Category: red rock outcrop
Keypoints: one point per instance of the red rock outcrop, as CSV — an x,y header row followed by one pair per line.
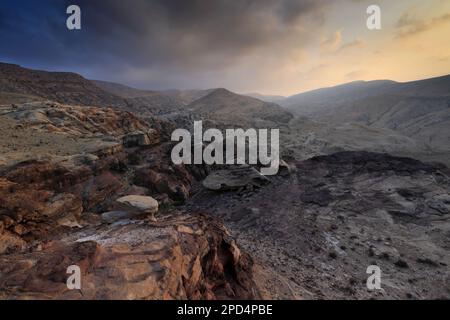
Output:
x,y
178,257
51,214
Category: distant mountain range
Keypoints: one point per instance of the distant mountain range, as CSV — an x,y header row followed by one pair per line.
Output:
x,y
267,98
321,99
418,109
18,84
219,105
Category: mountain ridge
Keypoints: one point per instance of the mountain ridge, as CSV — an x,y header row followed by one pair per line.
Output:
x,y
389,87
62,87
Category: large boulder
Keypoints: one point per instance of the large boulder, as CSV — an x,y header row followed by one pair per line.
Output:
x,y
175,182
140,139
139,204
235,178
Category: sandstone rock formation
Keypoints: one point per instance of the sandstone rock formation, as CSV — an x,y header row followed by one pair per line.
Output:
x,y
48,130
180,257
38,198
83,207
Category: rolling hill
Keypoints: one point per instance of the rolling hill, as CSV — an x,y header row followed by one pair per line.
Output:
x,y
22,84
418,110
233,109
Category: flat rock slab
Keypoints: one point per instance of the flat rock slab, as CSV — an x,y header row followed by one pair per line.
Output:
x,y
234,178
113,216
144,204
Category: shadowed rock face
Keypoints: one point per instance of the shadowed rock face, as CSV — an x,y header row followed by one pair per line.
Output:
x,y
138,139
321,227
46,226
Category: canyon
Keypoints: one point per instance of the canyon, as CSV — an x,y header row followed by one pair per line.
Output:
x,y
87,179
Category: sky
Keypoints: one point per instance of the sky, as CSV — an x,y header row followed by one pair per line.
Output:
x,y
279,47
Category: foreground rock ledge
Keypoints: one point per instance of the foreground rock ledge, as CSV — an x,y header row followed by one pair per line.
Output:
x,y
179,257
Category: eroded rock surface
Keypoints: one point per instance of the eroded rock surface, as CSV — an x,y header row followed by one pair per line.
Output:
x,y
91,206
179,257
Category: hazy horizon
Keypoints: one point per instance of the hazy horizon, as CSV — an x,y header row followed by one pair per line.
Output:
x,y
241,93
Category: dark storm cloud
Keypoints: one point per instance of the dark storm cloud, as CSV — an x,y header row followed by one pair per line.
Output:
x,y
188,32
161,36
